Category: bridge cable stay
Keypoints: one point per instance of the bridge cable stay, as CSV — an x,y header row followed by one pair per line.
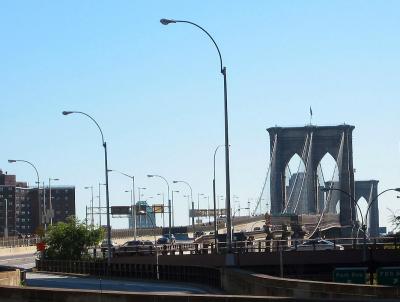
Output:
x,y
272,158
305,172
327,202
297,174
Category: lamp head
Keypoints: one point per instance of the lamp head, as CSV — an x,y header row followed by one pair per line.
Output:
x,y
167,21
67,112
87,187
11,160
55,179
175,181
150,175
397,189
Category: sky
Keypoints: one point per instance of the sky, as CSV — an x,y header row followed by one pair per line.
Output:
x,y
157,91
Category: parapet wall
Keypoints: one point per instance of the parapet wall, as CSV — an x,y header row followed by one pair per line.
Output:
x,y
10,278
236,281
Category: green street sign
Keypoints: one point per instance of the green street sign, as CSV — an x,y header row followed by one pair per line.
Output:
x,y
388,276
356,275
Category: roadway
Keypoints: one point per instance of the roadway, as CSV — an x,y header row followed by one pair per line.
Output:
x,y
27,262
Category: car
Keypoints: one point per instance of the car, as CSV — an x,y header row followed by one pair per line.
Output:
x,y
128,248
198,234
146,248
165,239
257,229
104,245
317,245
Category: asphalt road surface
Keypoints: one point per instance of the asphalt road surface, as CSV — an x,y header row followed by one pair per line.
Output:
x,y
23,261
74,282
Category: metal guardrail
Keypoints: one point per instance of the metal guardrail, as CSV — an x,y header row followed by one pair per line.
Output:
x,y
264,246
18,242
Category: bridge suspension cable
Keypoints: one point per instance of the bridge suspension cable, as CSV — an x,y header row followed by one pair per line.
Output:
x,y
272,158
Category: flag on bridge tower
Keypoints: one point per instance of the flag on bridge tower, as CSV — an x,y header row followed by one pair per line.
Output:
x,y
310,115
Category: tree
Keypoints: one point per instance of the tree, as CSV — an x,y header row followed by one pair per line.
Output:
x,y
70,240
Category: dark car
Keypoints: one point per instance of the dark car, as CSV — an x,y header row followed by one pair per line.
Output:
x,y
198,234
165,239
147,248
128,248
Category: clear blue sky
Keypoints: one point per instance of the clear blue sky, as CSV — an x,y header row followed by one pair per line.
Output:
x,y
157,92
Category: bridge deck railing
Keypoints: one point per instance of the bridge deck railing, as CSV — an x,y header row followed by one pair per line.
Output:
x,y
261,246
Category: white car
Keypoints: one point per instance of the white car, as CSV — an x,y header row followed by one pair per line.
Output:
x,y
317,245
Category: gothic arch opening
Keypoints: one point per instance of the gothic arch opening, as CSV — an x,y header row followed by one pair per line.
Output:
x,y
295,189
328,176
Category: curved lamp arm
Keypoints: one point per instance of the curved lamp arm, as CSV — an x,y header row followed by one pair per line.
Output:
x,y
98,126
168,21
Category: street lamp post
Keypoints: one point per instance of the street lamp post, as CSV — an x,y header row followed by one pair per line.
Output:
x,y
172,204
91,206
214,201
139,200
363,226
100,184
163,203
155,240
191,199
133,202
198,205
50,202
375,198
227,174
106,175
38,183
169,201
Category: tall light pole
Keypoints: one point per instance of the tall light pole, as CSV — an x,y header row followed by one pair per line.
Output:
x,y
198,205
191,198
139,199
214,200
91,206
163,221
227,175
50,202
363,226
38,184
169,201
172,204
375,198
208,207
133,202
155,240
107,187
100,184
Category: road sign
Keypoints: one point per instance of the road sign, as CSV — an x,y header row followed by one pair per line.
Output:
x,y
120,210
388,276
158,208
356,275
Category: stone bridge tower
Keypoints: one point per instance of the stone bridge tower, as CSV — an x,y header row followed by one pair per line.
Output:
x,y
325,139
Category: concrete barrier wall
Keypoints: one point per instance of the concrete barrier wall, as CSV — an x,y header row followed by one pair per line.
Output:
x,y
11,278
32,294
235,281
17,250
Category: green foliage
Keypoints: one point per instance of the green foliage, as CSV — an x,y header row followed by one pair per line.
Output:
x,y
70,240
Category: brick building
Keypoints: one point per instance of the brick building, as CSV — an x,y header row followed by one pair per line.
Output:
x,y
25,206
